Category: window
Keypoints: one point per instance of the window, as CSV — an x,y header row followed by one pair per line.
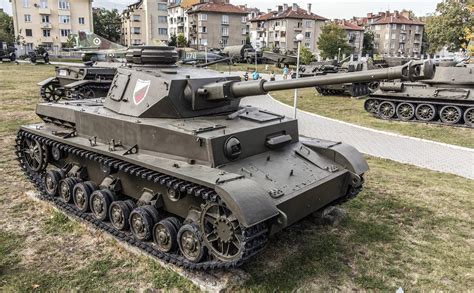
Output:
x,y
225,19
26,3
377,27
27,18
244,19
162,19
393,37
307,45
202,29
163,31
45,18
65,33
394,26
46,33
202,16
28,32
136,17
403,27
244,31
136,30
307,35
392,45
64,19
223,42
162,7
225,31
387,36
308,23
44,3
82,20
203,42
64,4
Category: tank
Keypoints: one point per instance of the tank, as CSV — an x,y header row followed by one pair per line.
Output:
x,y
446,99
172,164
39,53
7,53
77,82
352,89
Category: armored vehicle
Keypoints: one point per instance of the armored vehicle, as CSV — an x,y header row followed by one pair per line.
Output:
x,y
447,99
39,53
172,164
77,82
352,89
7,53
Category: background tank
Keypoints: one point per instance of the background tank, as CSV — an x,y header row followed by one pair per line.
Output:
x,y
172,164
39,53
448,98
352,89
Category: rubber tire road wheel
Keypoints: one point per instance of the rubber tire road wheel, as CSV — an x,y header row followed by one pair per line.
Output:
x,y
66,188
86,189
191,230
51,182
456,118
141,224
101,199
469,117
153,212
428,118
125,211
403,116
167,227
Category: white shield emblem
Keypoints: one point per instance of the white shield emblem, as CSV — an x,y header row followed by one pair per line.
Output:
x,y
140,91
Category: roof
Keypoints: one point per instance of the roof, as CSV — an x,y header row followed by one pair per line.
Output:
x,y
398,19
299,13
350,26
217,7
188,3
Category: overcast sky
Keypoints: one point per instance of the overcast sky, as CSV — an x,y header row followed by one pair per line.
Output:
x,y
327,8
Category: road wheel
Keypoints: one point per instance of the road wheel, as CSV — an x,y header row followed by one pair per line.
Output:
x,y
100,201
165,234
190,243
425,112
469,117
450,114
405,111
372,106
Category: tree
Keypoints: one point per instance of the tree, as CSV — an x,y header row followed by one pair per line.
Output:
x,y
449,26
173,41
107,24
305,55
425,43
368,43
181,41
7,33
247,40
331,39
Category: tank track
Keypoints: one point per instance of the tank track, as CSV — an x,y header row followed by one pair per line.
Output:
x,y
73,94
255,237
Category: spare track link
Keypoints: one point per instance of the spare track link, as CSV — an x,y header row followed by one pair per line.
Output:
x,y
255,237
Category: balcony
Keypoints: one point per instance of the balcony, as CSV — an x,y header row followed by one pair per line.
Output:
x,y
180,23
46,25
64,12
298,29
225,23
402,40
45,11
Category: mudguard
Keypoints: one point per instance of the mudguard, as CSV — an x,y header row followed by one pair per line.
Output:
x,y
247,200
341,153
46,81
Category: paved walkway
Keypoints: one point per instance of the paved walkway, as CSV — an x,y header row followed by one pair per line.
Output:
x,y
423,153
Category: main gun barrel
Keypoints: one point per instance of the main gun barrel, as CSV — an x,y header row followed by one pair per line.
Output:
x,y
413,70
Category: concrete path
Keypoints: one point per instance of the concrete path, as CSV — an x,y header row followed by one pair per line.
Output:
x,y
423,153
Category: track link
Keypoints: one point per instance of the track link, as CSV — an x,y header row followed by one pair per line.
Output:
x,y
254,240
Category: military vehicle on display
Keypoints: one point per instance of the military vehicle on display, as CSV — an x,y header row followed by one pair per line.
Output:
x,y
7,53
172,164
37,54
448,98
243,53
77,82
352,89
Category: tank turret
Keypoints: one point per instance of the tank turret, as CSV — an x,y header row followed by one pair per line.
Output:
x,y
170,163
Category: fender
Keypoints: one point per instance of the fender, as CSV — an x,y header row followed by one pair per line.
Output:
x,y
341,153
248,201
46,81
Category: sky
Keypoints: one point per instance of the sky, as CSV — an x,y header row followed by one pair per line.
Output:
x,y
327,8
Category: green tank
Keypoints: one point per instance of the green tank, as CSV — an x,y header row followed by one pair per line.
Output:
x,y
172,164
446,99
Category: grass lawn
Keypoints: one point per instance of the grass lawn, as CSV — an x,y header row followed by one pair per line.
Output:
x,y
352,110
409,228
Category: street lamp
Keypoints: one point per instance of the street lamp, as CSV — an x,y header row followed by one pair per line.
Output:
x,y
299,39
338,54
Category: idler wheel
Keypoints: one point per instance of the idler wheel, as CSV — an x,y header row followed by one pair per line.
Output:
x,y
82,193
100,201
190,243
141,223
35,154
469,117
51,182
66,188
386,110
371,106
450,114
119,213
51,92
405,111
165,234
425,112
222,233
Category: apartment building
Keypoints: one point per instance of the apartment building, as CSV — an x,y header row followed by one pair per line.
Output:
x,y
145,23
178,18
49,22
396,34
279,28
355,35
216,25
